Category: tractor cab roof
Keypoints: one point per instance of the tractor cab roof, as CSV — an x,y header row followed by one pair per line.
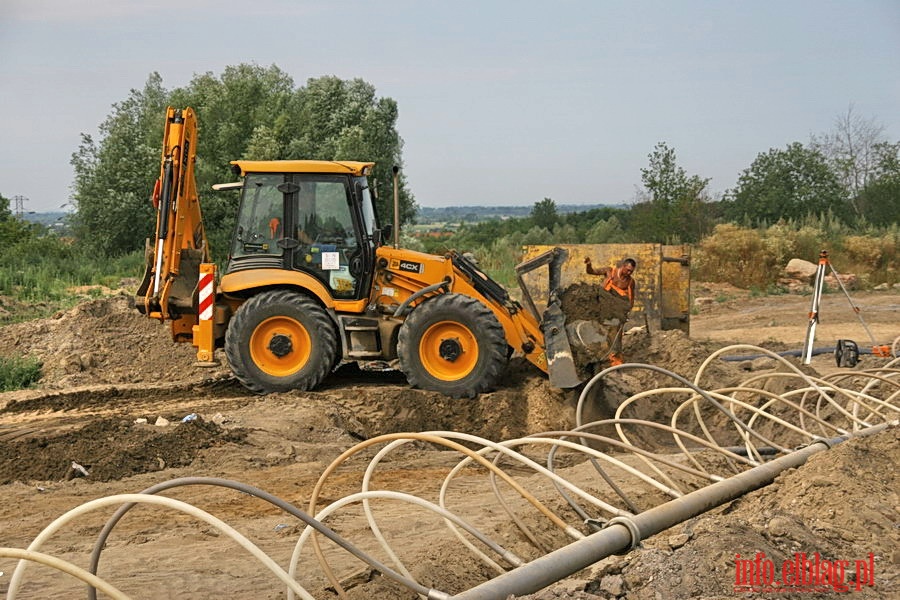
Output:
x,y
349,167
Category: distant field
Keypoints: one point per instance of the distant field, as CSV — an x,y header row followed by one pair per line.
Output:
x,y
473,214
452,216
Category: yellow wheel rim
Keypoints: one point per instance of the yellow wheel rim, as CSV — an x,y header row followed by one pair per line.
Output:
x,y
448,351
280,346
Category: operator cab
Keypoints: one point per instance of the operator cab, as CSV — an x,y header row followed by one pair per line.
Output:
x,y
311,216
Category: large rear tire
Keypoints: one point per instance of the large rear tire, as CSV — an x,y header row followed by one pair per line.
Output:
x,y
452,344
280,341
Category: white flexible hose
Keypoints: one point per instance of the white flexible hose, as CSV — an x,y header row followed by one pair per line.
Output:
x,y
436,439
184,507
383,494
66,567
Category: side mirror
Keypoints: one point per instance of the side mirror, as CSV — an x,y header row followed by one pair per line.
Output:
x,y
384,235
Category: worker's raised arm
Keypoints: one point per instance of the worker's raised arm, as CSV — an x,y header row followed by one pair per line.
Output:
x,y
590,270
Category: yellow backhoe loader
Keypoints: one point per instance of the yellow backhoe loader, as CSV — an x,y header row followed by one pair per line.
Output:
x,y
312,281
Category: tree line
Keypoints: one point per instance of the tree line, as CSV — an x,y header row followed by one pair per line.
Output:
x,y
850,176
839,191
843,181
250,112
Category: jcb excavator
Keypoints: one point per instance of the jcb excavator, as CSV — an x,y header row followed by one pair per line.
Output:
x,y
312,281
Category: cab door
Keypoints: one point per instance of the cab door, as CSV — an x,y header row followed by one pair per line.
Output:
x,y
321,218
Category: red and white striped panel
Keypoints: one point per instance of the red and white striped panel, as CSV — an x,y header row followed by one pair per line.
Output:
x,y
206,296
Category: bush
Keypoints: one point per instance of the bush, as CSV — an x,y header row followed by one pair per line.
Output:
x,y
755,258
736,255
809,240
874,256
607,231
781,241
18,372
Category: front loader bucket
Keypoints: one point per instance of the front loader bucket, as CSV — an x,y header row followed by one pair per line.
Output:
x,y
560,361
575,348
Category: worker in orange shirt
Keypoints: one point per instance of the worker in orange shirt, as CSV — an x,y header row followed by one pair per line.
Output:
x,y
618,288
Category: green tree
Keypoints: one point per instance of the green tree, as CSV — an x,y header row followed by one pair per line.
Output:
x,y
565,234
544,215
113,179
787,184
12,230
236,111
674,206
605,231
607,218
537,236
879,199
248,112
335,119
241,114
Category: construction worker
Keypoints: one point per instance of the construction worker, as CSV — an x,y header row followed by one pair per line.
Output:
x,y
617,294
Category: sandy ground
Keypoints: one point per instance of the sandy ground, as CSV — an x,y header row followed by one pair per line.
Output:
x,y
112,379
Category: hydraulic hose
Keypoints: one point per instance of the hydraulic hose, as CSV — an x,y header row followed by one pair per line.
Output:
x,y
444,284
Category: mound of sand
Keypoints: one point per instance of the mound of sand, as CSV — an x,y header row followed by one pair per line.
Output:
x,y
102,341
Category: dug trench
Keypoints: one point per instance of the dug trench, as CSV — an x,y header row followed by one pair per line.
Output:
x,y
122,402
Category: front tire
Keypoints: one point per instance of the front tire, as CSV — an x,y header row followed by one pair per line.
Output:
x,y
452,344
280,341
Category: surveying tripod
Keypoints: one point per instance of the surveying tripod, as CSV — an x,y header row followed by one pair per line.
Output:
x,y
845,351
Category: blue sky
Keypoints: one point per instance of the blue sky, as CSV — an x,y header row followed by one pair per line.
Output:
x,y
501,102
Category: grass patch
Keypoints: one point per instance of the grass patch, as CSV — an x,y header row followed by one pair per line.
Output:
x,y
38,275
18,372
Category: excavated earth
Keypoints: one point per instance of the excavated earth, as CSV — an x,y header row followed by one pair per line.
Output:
x,y
120,408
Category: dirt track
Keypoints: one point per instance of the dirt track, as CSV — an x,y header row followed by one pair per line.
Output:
x,y
106,368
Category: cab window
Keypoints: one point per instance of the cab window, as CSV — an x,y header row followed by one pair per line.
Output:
x,y
260,218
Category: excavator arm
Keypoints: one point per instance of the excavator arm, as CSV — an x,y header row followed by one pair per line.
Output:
x,y
169,289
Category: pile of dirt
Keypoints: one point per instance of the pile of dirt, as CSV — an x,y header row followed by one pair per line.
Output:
x,y
104,360
110,449
102,341
591,302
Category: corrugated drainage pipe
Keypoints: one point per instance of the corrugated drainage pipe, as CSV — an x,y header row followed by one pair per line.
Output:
x,y
624,533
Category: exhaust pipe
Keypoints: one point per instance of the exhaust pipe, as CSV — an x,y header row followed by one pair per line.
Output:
x,y
396,171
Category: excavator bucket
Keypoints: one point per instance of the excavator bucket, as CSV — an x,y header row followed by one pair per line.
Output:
x,y
568,346
560,361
